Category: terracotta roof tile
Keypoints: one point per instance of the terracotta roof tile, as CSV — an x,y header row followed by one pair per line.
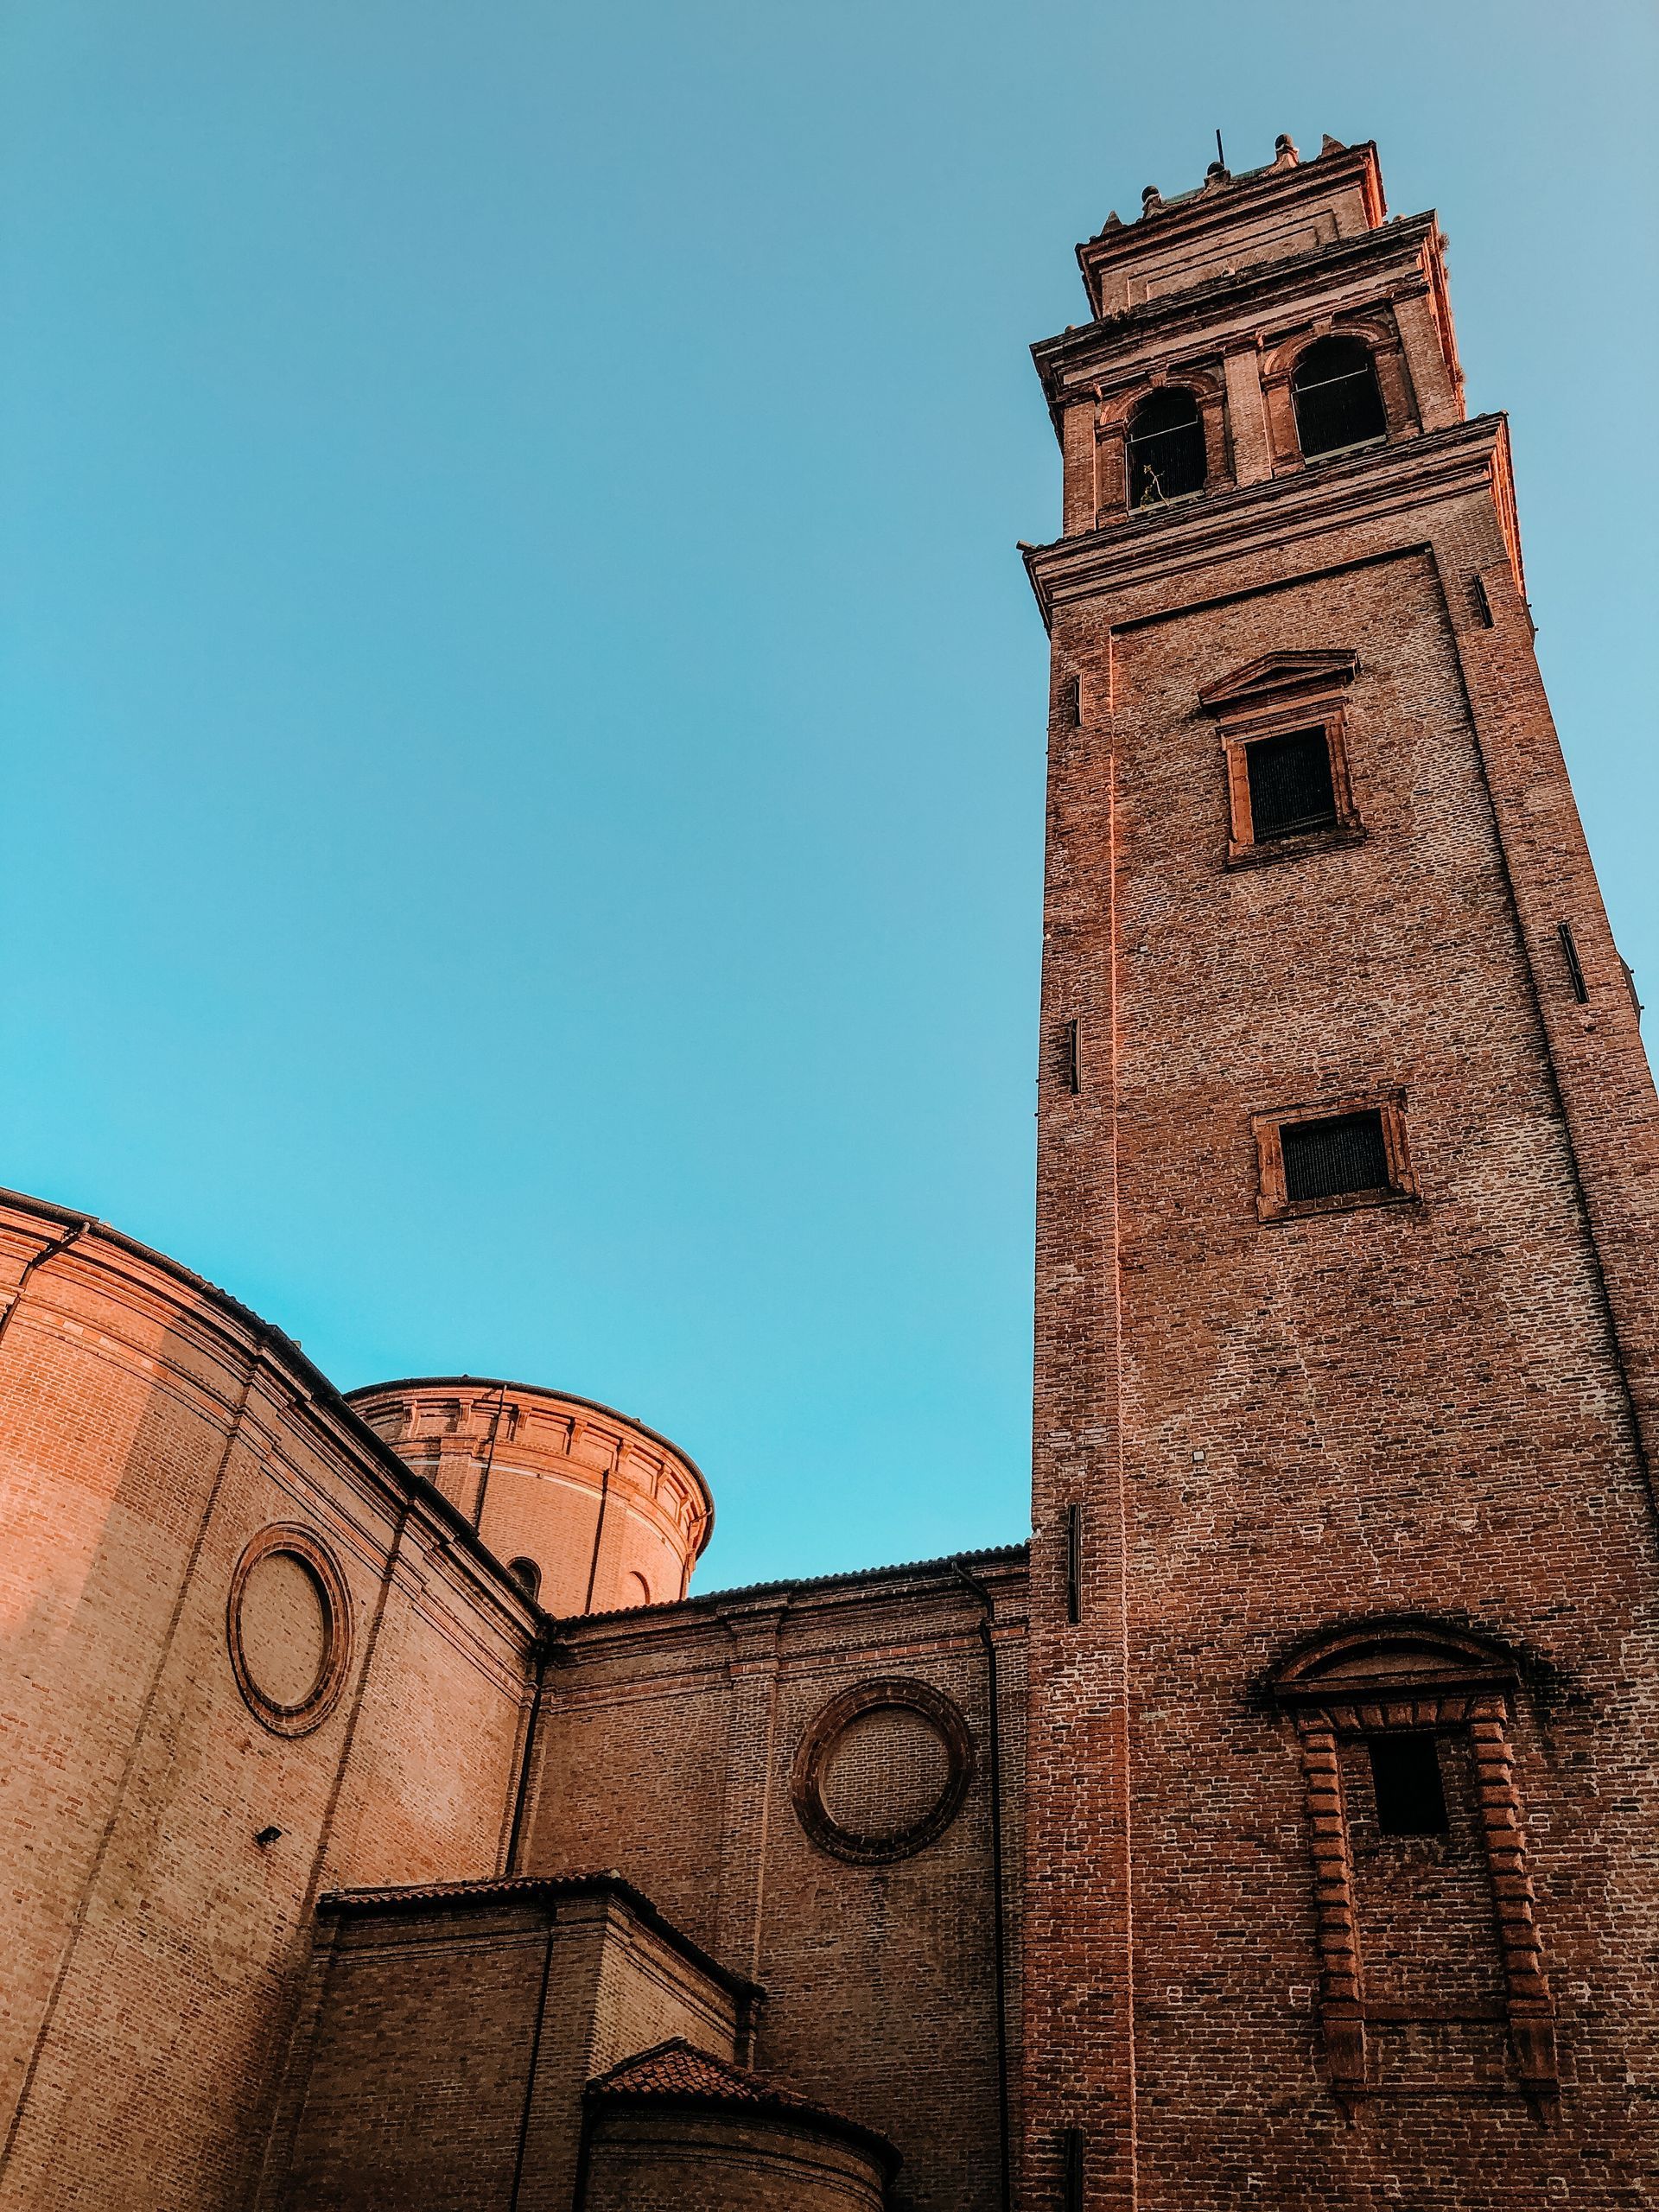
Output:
x,y
676,2070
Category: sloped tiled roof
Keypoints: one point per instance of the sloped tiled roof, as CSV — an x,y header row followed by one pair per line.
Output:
x,y
849,1577
510,1889
676,2072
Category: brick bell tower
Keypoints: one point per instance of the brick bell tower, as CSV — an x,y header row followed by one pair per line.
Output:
x,y
1342,1878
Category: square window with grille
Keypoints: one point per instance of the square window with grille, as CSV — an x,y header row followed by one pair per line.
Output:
x,y
1291,785
1355,1153
1326,1159
1406,1783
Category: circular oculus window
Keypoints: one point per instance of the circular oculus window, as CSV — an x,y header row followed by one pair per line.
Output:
x,y
287,1624
881,1772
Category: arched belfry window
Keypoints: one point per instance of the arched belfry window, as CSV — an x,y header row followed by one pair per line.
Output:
x,y
1167,456
1338,400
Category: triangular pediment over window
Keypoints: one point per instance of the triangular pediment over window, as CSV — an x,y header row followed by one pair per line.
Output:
x,y
1279,676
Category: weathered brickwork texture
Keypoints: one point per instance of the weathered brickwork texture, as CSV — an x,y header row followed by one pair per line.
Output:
x,y
1433,1410
608,1514
149,1429
382,1823
258,1657
449,2039
673,2129
648,2160
668,1748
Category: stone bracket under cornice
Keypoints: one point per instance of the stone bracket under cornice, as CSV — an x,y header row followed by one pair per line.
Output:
x,y
1255,519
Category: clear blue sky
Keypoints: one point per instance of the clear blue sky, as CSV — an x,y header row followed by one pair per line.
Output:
x,y
524,723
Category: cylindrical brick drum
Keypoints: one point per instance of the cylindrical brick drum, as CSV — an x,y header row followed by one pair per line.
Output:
x,y
593,1511
658,2156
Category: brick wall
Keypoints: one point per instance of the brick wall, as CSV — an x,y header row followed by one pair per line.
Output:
x,y
669,1748
648,2159
441,2057
609,1514
1430,1410
197,1526
148,1431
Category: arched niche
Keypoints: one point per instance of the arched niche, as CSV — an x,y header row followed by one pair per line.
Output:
x,y
1360,1697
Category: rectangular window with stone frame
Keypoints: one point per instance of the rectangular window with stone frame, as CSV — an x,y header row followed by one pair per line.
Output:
x,y
1333,1156
1283,724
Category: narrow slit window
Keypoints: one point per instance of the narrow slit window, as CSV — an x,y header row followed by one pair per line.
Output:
x,y
1329,1158
1574,968
1291,785
1071,2162
1406,1783
1166,455
1337,401
1072,1055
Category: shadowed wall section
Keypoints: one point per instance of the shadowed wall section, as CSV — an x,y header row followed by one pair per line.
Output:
x,y
822,1782
243,1658
450,2031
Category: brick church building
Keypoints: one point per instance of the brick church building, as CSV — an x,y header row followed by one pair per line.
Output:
x,y
388,1824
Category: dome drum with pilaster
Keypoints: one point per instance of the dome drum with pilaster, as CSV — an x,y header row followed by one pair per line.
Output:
x,y
590,1512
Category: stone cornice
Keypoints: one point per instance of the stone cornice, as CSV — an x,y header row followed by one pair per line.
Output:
x,y
1216,206
538,1392
492,1392
1256,519
221,1324
1081,356
547,1891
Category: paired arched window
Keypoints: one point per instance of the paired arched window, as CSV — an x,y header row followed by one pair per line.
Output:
x,y
1167,456
528,1576
1337,401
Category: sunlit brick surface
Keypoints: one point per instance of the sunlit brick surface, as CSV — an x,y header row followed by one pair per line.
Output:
x,y
1434,1408
149,1429
610,1515
1319,1472
283,1629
